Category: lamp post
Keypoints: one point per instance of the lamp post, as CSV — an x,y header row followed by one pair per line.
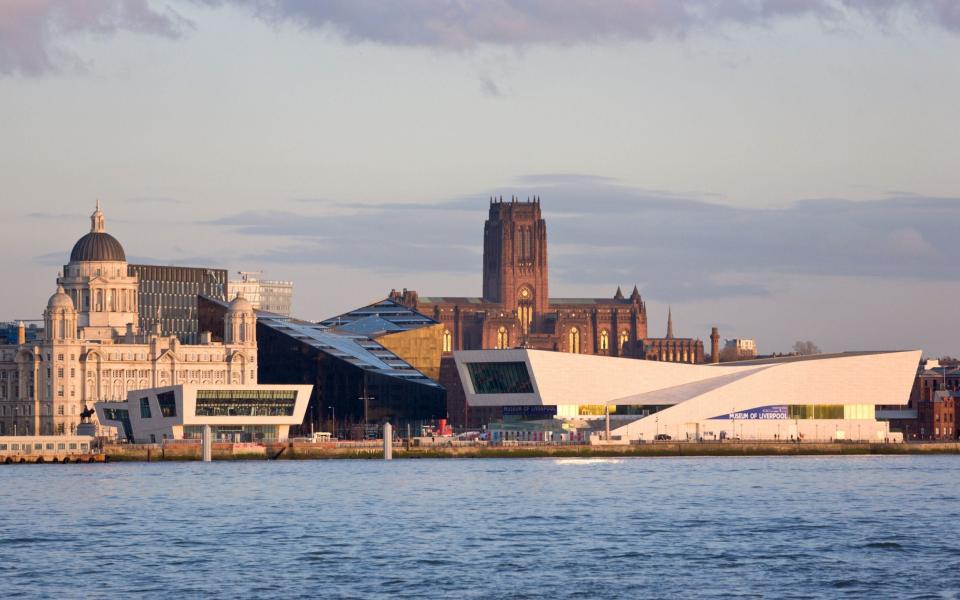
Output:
x,y
333,412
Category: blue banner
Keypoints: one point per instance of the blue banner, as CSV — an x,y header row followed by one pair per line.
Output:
x,y
761,413
529,411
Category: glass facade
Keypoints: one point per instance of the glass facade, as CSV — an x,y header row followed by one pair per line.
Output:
x,y
245,403
832,411
144,408
500,378
168,404
123,416
233,433
168,295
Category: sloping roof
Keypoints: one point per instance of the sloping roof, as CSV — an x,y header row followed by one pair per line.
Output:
x,y
385,315
355,348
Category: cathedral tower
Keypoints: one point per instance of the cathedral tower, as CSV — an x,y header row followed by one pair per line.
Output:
x,y
515,259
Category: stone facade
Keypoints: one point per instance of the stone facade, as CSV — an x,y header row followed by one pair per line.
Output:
x,y
517,311
92,348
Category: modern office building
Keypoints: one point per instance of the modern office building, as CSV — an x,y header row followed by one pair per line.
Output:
x,y
239,413
356,379
168,296
19,333
818,397
269,296
93,347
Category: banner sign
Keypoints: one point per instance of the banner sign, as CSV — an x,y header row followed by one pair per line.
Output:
x,y
529,411
761,413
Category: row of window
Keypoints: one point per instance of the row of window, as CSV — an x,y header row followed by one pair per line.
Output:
x,y
573,338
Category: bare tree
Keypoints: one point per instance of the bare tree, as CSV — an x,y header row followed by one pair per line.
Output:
x,y
806,348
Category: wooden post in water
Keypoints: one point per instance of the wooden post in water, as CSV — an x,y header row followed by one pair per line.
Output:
x,y
207,444
387,441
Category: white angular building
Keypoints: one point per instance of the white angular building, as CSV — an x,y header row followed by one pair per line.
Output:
x,y
820,397
93,348
240,413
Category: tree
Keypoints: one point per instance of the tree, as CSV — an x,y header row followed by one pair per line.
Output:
x,y
806,348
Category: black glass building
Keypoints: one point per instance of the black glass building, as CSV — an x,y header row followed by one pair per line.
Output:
x,y
168,295
356,380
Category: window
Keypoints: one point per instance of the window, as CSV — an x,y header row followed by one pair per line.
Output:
x,y
573,341
447,341
145,408
604,340
500,378
60,372
168,404
60,410
624,338
502,338
245,403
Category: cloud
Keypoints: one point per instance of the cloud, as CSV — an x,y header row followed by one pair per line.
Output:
x,y
677,246
454,25
32,31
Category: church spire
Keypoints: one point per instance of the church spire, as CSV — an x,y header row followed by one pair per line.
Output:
x,y
97,224
619,294
670,323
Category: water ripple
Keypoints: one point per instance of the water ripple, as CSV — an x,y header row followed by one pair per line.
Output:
x,y
784,527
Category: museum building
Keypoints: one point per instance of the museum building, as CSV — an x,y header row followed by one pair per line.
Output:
x,y
817,397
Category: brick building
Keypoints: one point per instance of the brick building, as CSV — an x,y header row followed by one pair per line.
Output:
x,y
932,412
516,309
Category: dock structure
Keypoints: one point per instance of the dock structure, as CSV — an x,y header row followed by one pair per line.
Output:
x,y
49,449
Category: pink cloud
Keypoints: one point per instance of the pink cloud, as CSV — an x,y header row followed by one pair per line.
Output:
x,y
32,31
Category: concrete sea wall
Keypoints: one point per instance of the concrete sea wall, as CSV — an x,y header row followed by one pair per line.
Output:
x,y
307,451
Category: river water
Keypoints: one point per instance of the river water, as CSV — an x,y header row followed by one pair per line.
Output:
x,y
792,527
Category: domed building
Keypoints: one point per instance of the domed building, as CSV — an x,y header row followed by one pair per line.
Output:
x,y
94,349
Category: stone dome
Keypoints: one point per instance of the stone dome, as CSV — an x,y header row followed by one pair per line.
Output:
x,y
97,246
240,304
60,300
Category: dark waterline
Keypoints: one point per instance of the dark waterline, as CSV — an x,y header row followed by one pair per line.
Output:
x,y
792,527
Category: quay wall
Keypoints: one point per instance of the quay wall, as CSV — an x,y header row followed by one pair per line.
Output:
x,y
320,451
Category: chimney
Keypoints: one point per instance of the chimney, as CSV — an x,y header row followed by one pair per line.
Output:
x,y
21,334
714,346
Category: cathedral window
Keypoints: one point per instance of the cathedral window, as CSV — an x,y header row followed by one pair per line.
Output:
x,y
573,340
604,340
624,338
502,338
447,341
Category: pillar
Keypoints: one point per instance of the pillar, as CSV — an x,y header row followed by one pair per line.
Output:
x,y
387,441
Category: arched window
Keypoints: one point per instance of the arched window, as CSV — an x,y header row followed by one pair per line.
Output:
x,y
604,340
573,340
624,338
502,339
525,307
447,341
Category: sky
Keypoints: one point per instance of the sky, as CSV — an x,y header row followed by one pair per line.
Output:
x,y
781,169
